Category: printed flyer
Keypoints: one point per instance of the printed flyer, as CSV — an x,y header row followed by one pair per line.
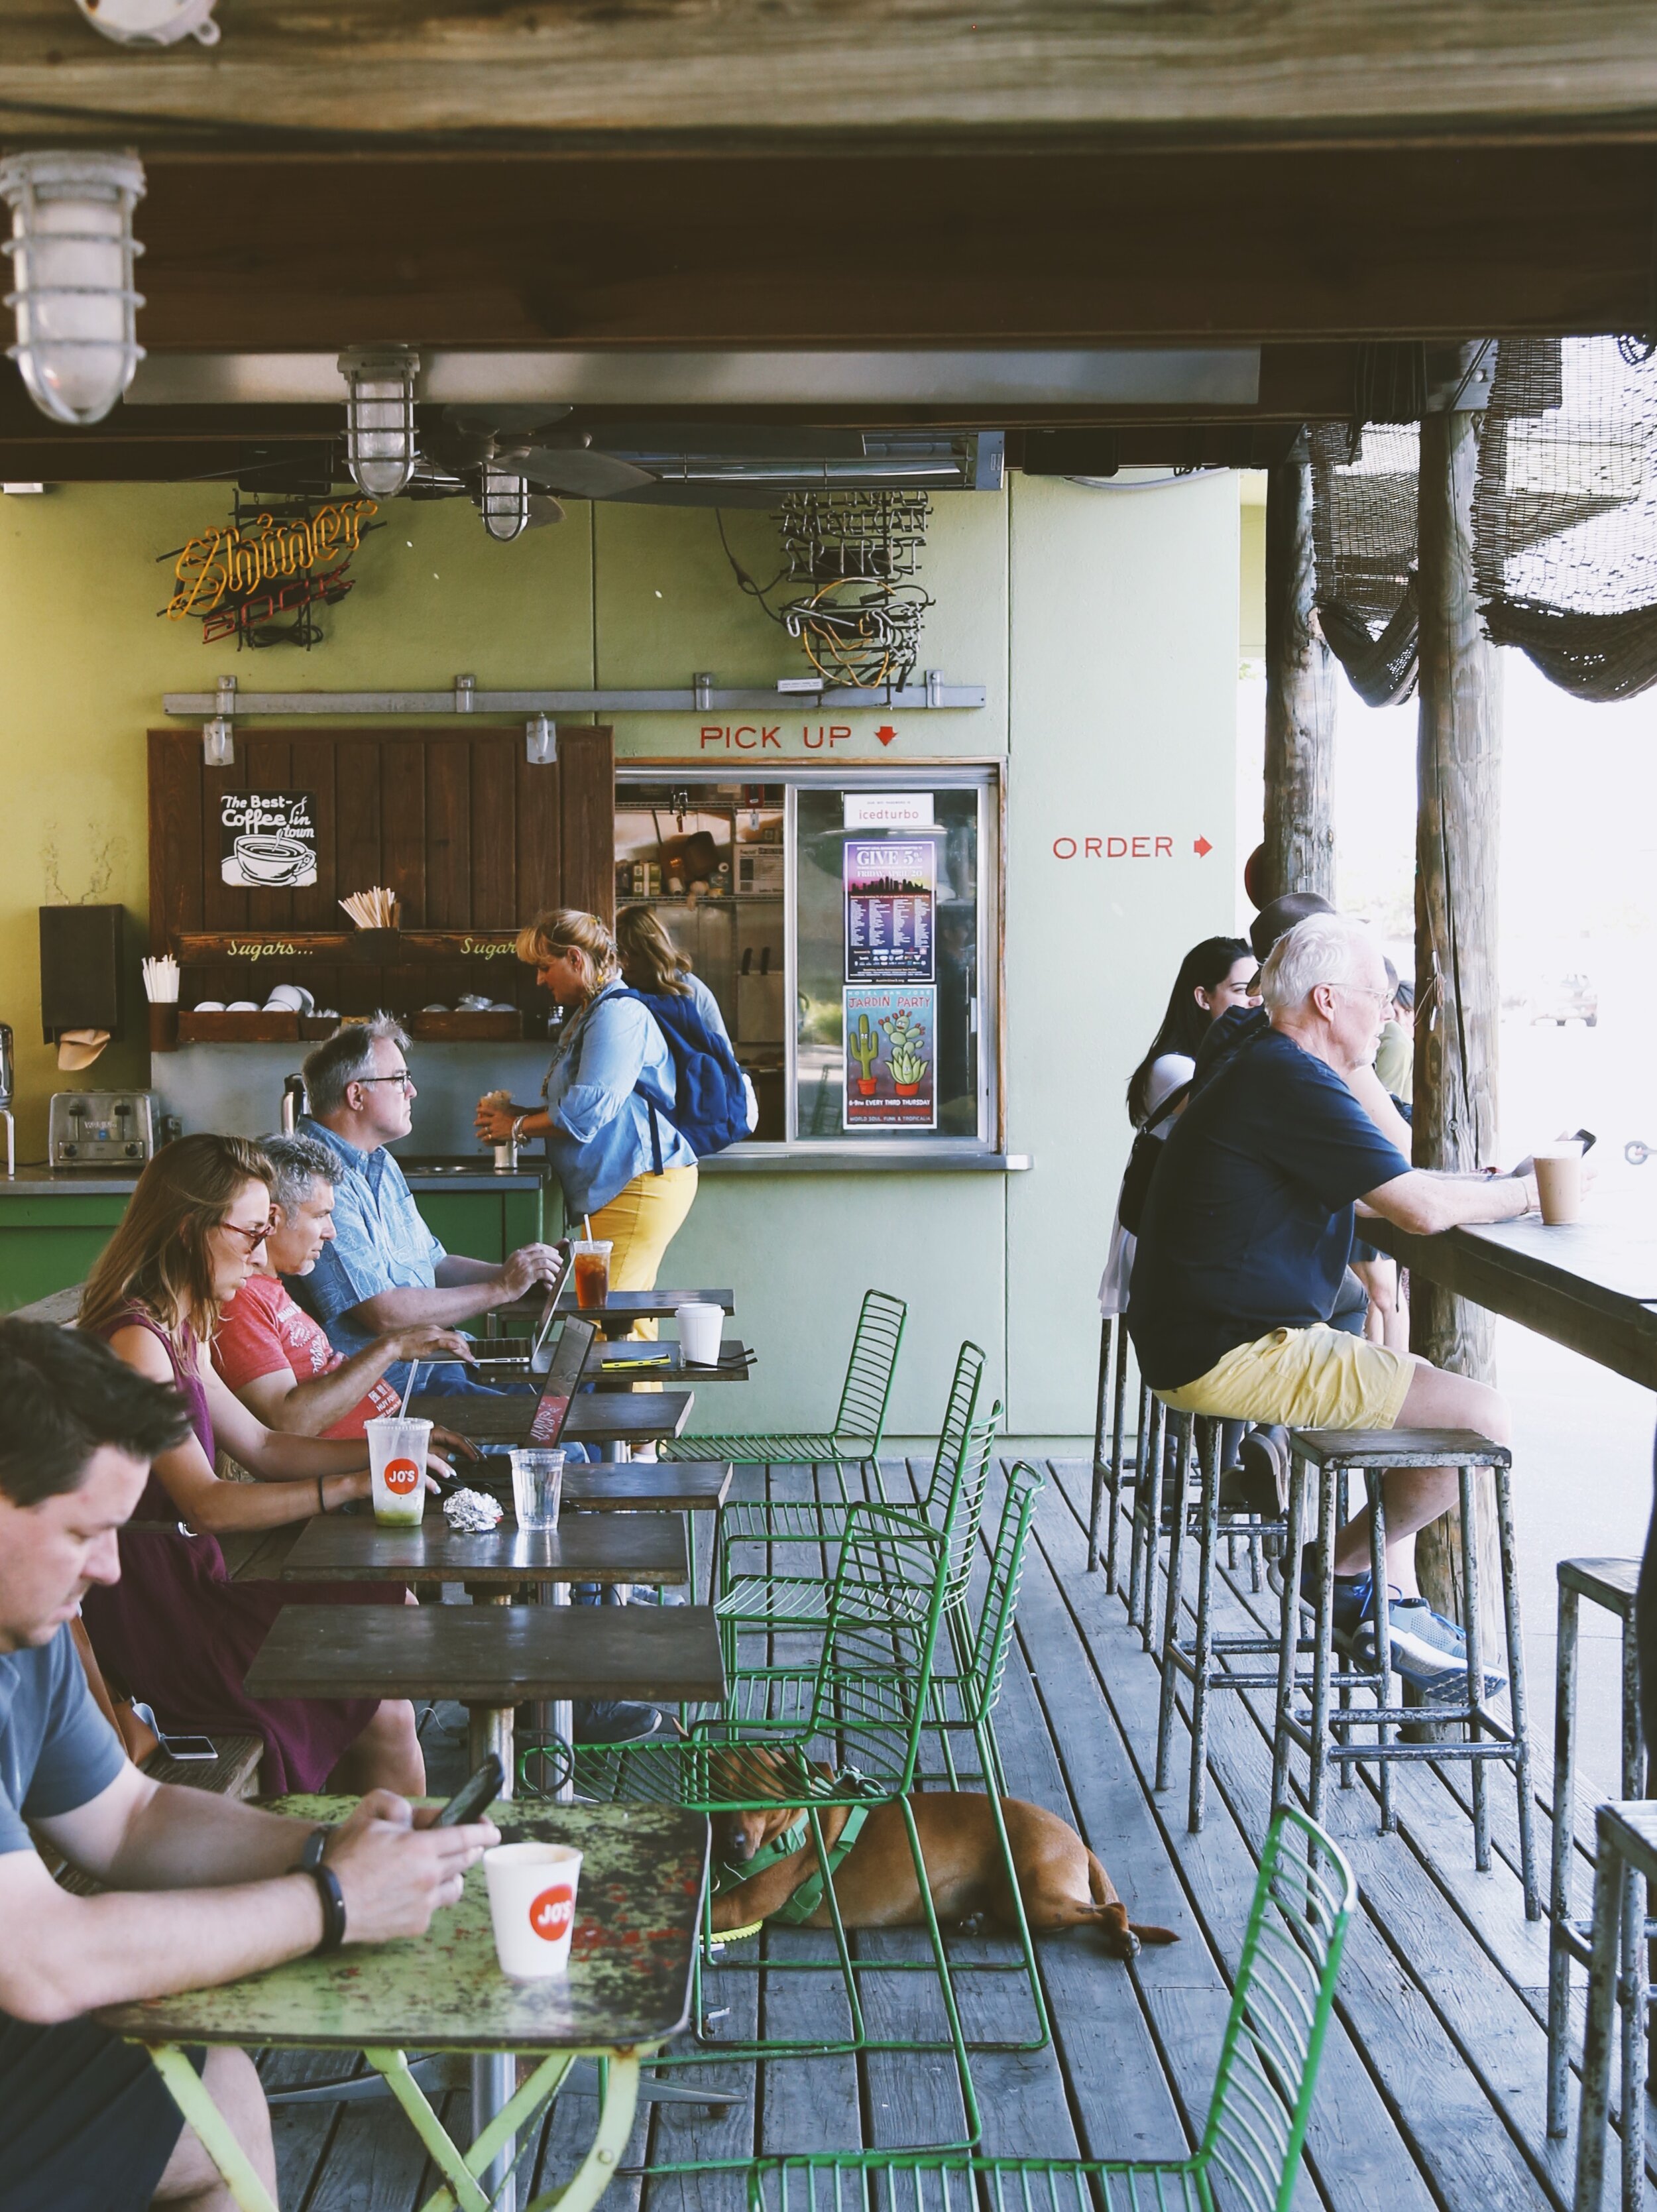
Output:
x,y
891,1058
891,887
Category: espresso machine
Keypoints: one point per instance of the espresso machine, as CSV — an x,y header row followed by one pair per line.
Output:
x,y
5,1101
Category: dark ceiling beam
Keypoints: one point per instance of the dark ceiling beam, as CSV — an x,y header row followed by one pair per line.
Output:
x,y
259,252
712,73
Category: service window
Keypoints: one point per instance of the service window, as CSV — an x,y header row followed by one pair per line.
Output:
x,y
848,927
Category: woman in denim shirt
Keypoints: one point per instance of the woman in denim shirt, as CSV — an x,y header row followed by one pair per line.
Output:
x,y
624,1167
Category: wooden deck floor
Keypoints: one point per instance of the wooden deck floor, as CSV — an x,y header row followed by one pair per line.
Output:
x,y
1432,2087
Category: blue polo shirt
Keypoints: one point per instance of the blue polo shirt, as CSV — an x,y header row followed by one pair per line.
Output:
x,y
380,1242
57,1750
1247,1224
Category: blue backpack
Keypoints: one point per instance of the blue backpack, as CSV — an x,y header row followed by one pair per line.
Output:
x,y
710,1099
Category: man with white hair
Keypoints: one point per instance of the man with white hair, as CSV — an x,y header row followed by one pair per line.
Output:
x,y
1244,1244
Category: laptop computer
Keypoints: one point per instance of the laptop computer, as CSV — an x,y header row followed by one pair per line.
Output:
x,y
516,1352
515,1417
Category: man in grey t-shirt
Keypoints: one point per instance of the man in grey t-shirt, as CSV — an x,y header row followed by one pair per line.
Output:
x,y
197,1889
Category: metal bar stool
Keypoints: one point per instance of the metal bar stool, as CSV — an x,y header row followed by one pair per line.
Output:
x,y
1200,1656
1614,1585
1148,1458
1625,1860
1107,1460
1326,1736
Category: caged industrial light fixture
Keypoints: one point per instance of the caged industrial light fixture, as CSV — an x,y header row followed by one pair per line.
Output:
x,y
381,450
504,502
72,251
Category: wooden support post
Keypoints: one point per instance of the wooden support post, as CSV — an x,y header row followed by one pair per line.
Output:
x,y
1300,699
1459,757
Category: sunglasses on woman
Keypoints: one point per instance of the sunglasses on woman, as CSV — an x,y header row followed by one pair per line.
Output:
x,y
255,1237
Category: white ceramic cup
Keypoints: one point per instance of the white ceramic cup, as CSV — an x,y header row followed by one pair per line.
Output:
x,y
532,1905
209,1006
396,1466
700,1329
286,997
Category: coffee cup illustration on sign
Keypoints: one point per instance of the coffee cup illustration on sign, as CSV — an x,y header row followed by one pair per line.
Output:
x,y
269,861
552,1912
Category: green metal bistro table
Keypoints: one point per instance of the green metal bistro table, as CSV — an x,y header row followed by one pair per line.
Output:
x,y
628,1989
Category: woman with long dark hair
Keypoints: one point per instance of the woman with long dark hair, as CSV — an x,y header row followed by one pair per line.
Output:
x,y
1214,975
175,1629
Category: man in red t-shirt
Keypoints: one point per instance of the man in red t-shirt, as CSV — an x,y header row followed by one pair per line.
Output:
x,y
274,1358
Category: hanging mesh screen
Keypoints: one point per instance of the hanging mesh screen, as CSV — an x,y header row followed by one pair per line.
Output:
x,y
1565,514
1363,532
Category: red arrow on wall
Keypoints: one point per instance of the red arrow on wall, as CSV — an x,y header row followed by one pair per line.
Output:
x,y
886,733
1201,848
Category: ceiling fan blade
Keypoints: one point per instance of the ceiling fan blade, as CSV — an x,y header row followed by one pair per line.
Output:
x,y
581,474
507,418
463,449
544,509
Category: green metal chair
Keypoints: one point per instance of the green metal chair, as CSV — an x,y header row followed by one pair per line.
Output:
x,y
795,1595
850,1739
1249,2155
968,1671
855,1436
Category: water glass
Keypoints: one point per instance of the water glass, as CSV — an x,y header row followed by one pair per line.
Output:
x,y
537,1482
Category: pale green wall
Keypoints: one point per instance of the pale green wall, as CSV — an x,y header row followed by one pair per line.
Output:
x,y
1103,626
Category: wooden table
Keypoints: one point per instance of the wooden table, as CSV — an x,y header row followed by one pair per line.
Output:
x,y
628,1989
596,1417
632,1360
1592,1286
492,1658
620,1309
642,1548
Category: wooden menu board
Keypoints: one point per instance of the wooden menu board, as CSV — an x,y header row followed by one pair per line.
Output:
x,y
471,836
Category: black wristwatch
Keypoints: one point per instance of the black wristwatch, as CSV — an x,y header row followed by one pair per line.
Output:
x,y
315,1844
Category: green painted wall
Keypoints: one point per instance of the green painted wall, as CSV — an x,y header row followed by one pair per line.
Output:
x,y
1103,626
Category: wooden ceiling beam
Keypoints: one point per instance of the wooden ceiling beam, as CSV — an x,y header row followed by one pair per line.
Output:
x,y
272,252
711,73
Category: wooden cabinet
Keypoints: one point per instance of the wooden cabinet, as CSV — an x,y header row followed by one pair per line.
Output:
x,y
474,838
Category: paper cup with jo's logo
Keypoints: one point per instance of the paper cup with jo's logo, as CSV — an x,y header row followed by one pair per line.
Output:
x,y
532,1905
396,1465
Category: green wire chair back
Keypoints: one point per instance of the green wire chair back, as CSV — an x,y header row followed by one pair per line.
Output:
x,y
867,1390
963,1508
1249,2157
959,1413
985,1662
1280,2007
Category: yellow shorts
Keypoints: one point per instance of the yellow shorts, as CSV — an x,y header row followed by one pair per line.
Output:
x,y
1305,1378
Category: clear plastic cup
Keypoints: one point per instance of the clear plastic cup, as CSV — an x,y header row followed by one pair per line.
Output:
x,y
398,1446
532,1906
592,1259
700,1331
538,1484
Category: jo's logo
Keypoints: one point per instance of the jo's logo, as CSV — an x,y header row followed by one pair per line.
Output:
x,y
401,1477
552,1912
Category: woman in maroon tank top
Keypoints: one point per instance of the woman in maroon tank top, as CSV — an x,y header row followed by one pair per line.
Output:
x,y
175,1629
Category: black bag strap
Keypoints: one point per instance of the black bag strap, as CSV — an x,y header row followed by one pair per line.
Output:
x,y
1171,1104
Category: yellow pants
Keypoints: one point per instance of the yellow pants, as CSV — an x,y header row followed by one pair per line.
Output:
x,y
640,1222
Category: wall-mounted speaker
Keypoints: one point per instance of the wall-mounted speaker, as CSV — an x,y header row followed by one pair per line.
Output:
x,y
81,967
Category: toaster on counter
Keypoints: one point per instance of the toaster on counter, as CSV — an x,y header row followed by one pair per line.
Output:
x,y
101,1129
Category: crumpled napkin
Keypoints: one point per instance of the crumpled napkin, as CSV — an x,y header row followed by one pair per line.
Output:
x,y
472,1512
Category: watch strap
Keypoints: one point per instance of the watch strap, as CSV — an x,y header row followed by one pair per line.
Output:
x,y
333,1908
316,1844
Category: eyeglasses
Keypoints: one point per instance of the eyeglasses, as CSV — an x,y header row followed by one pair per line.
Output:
x,y
403,1080
1381,998
255,1237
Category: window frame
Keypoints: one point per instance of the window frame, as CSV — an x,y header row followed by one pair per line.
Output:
x,y
987,777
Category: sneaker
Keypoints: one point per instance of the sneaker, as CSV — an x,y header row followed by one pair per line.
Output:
x,y
606,1721
1259,1484
1353,1596
1428,1652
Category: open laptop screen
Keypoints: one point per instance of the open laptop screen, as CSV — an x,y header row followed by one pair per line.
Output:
x,y
570,1356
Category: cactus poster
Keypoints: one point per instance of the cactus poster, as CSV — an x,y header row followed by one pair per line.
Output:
x,y
890,885
891,1056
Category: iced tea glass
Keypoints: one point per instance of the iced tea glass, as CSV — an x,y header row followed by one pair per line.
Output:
x,y
591,1273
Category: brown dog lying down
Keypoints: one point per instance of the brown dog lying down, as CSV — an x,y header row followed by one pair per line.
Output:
x,y
1063,1885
